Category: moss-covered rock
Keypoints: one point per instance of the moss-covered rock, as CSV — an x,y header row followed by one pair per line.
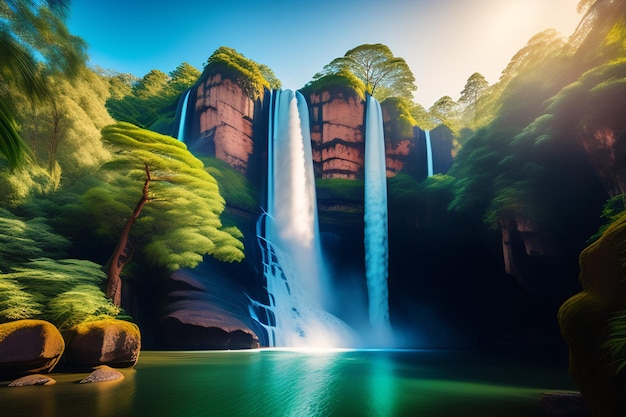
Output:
x,y
109,342
584,321
28,346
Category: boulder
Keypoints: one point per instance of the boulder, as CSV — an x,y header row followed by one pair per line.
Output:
x,y
104,342
36,379
584,321
28,346
102,374
197,324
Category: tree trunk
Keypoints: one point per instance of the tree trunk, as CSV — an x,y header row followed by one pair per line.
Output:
x,y
123,250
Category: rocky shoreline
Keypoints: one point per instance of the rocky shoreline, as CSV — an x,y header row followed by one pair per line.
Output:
x,y
31,348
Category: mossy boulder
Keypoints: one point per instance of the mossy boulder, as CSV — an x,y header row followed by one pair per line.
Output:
x,y
584,321
29,346
111,342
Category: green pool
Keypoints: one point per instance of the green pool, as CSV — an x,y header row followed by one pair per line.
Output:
x,y
290,383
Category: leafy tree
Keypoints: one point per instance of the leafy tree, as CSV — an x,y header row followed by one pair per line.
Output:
x,y
180,222
443,111
183,77
270,77
472,92
383,74
33,38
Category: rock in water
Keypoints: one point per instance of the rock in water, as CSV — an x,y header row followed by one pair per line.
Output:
x,y
28,346
102,374
29,380
103,342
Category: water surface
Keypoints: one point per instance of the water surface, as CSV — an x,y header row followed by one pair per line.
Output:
x,y
287,383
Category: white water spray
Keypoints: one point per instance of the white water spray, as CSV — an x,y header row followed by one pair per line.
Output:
x,y
376,244
289,237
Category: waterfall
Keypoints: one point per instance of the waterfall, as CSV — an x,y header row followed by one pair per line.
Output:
x,y
376,247
429,153
183,117
288,234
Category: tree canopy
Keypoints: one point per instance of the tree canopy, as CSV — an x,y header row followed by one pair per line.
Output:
x,y
181,223
33,40
383,74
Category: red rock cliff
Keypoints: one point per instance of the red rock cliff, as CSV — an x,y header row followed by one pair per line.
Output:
x,y
337,134
222,122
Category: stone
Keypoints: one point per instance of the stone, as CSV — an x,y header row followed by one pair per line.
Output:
x,y
104,342
28,346
197,324
584,319
36,379
563,404
102,373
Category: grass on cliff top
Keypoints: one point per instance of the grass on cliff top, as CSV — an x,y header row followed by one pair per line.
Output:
x,y
343,82
236,67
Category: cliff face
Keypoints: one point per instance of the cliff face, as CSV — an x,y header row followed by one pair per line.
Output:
x,y
222,122
337,134
607,155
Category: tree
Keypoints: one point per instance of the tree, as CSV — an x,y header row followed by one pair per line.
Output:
x,y
443,111
270,77
384,75
32,37
474,88
183,77
180,224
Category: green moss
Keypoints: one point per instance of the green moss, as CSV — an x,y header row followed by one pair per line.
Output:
x,y
401,122
234,66
234,187
344,82
336,189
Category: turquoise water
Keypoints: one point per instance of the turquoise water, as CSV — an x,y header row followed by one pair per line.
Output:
x,y
287,383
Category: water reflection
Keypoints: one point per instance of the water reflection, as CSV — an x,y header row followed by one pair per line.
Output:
x,y
284,383
382,386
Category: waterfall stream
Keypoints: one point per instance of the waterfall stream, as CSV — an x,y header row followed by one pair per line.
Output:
x,y
183,117
429,153
376,244
288,234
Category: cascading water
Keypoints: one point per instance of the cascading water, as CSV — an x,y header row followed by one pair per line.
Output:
x,y
376,244
289,237
429,153
183,117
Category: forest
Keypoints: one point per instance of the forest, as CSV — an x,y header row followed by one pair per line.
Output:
x,y
542,149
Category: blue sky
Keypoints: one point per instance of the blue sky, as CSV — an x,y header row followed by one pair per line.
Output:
x,y
443,41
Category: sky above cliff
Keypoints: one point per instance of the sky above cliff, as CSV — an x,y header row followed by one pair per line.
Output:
x,y
443,41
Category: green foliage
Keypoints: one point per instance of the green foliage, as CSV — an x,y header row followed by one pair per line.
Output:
x,y
614,208
232,65
616,341
383,74
401,119
151,101
33,40
234,187
337,189
444,111
21,240
181,223
343,82
65,292
17,185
